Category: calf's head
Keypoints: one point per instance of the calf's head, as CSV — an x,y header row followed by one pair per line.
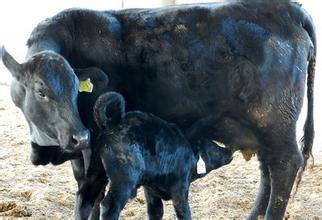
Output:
x,y
45,88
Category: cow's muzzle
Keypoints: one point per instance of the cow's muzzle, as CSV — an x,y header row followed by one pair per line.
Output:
x,y
79,141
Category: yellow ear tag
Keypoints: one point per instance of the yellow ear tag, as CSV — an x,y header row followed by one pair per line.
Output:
x,y
85,86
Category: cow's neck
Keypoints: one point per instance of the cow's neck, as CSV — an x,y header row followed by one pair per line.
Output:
x,y
81,46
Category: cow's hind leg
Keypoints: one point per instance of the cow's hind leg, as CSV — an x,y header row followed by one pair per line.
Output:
x,y
283,160
154,205
262,199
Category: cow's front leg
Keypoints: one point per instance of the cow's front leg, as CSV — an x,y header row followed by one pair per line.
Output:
x,y
91,188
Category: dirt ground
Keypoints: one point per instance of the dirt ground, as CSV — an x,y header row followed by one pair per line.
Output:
x,y
48,191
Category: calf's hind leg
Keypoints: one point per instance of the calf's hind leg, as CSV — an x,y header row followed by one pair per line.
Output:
x,y
180,200
154,205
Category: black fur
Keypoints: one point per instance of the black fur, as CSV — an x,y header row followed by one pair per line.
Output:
x,y
140,149
235,71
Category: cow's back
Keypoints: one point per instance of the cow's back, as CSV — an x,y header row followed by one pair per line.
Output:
x,y
205,58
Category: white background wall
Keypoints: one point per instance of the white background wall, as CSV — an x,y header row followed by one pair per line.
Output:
x,y
146,3
18,18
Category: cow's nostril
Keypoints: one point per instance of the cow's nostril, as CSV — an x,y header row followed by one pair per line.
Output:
x,y
80,140
75,140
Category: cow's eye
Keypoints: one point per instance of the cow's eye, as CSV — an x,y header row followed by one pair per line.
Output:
x,y
42,95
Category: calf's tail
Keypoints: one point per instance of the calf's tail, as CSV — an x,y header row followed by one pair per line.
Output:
x,y
109,109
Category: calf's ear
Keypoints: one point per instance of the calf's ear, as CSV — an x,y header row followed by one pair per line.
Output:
x,y
12,65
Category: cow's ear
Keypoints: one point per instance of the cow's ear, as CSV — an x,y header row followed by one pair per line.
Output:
x,y
94,75
12,65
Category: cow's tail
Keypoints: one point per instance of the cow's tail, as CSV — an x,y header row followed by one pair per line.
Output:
x,y
307,139
109,109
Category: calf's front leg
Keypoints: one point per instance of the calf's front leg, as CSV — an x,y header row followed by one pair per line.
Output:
x,y
115,200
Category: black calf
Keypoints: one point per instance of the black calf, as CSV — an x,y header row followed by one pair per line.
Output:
x,y
140,149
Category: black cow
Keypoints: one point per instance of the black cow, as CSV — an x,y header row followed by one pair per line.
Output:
x,y
140,149
228,72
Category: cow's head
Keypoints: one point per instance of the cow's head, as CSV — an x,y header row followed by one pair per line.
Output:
x,y
45,88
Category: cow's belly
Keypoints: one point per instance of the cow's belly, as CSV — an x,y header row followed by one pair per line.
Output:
x,y
175,101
